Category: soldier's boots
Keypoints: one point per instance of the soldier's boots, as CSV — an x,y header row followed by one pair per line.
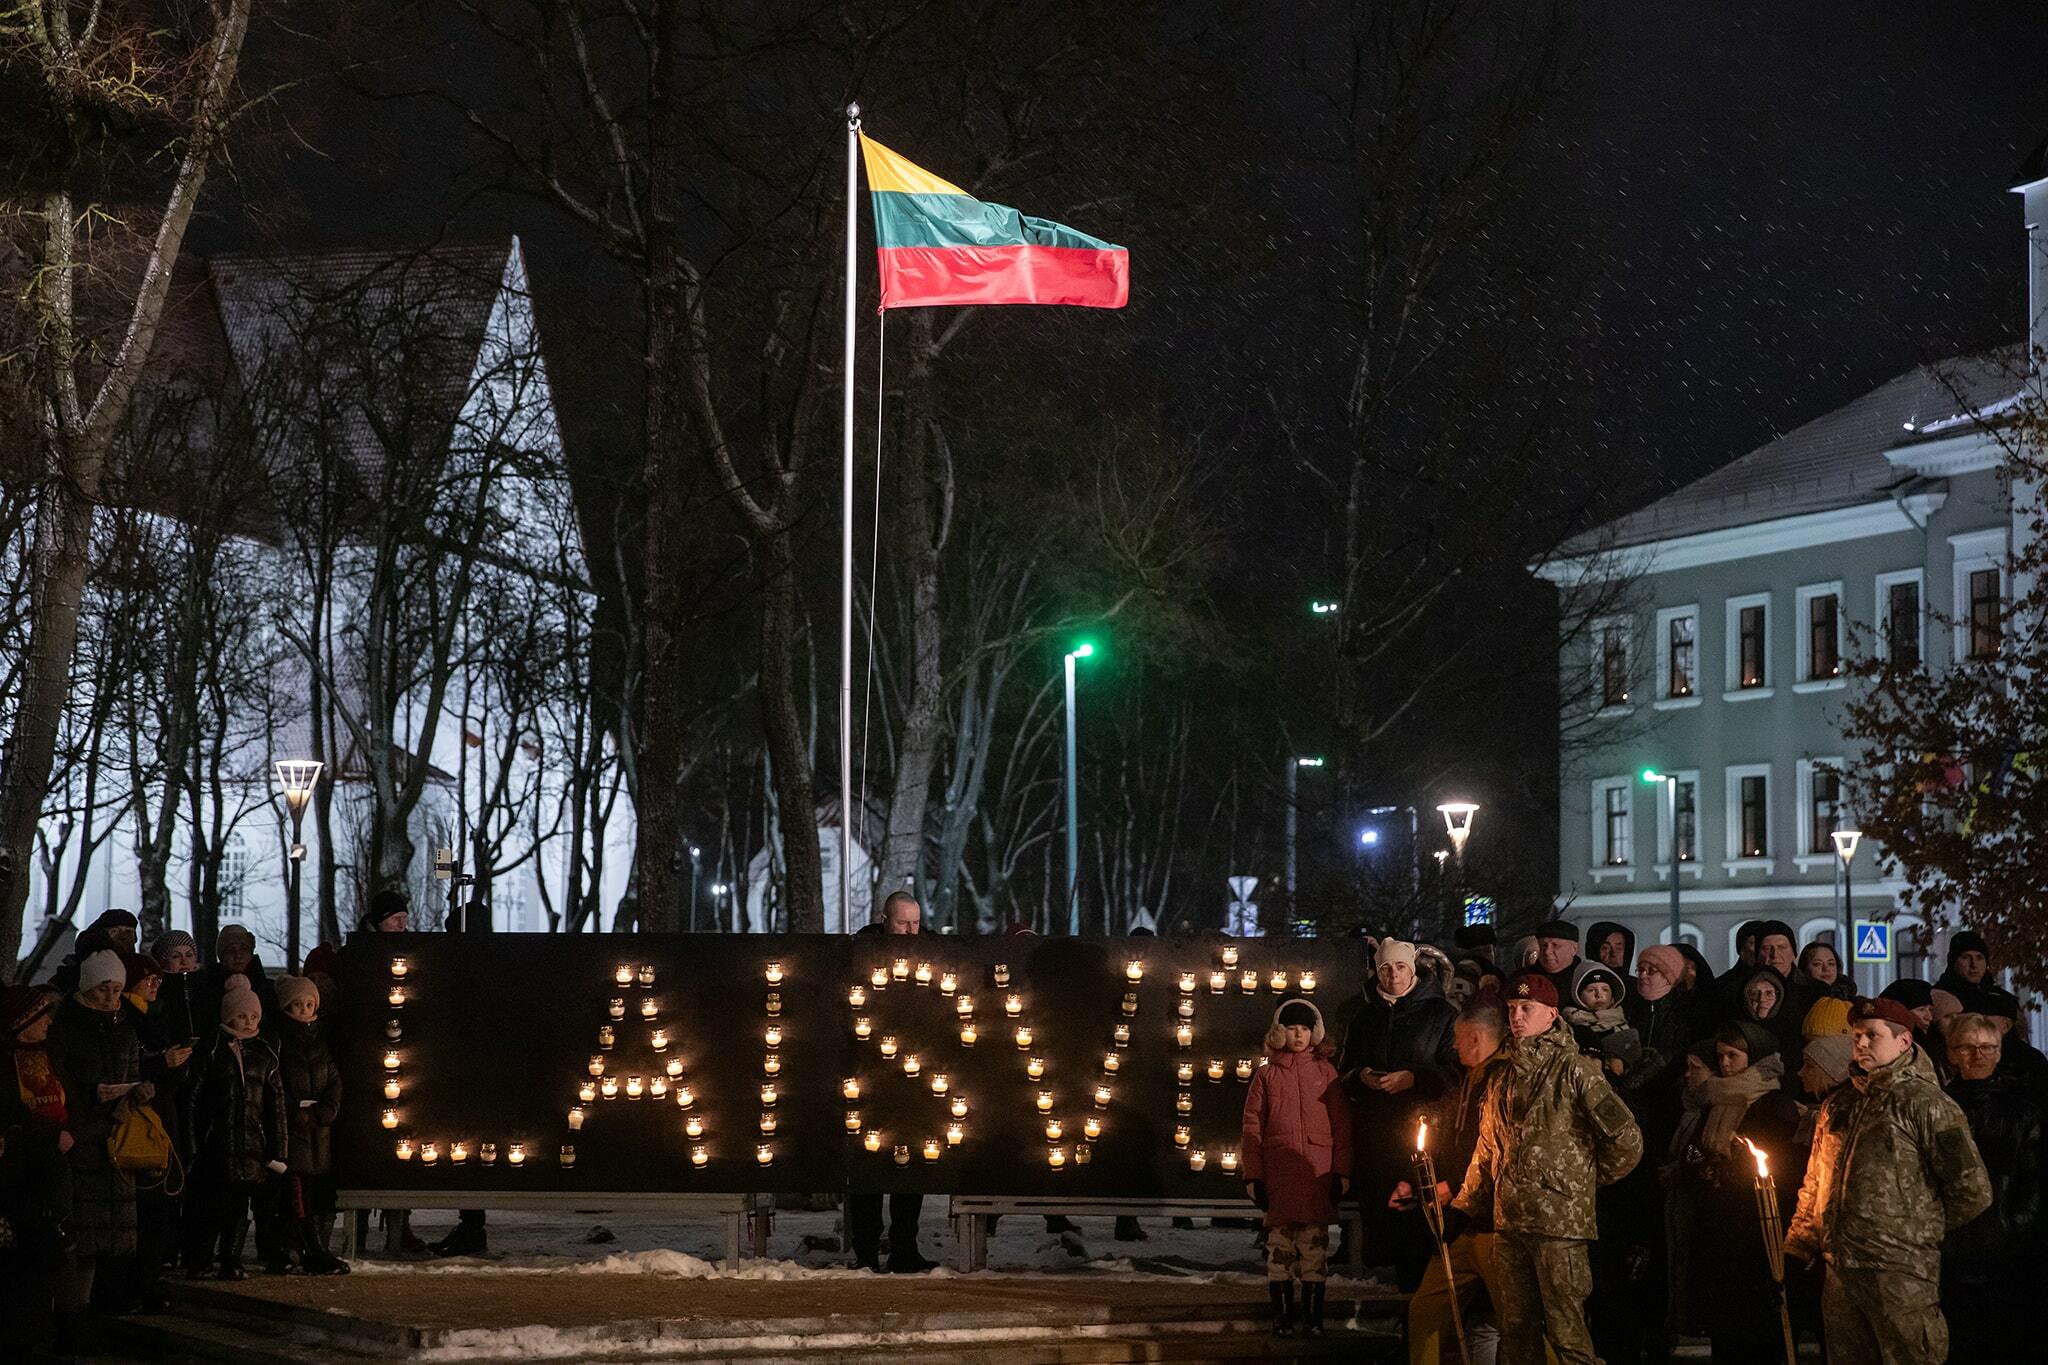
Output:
x,y
1283,1306
1312,1308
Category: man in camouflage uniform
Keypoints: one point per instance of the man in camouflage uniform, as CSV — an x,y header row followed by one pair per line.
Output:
x,y
1551,1131
1893,1170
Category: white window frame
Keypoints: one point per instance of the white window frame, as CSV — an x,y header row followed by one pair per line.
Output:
x,y
1974,552
1600,869
1801,858
1697,867
1803,645
234,878
1664,701
1732,672
1810,931
1601,627
1732,776
1688,932
1882,613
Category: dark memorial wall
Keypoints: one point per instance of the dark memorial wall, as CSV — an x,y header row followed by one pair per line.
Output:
x,y
544,1062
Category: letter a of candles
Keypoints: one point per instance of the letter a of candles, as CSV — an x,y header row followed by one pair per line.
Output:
x,y
1774,1239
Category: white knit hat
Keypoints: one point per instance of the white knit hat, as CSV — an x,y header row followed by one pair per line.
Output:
x,y
99,968
1394,950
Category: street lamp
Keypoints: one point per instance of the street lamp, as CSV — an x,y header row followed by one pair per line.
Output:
x,y
1845,849
298,777
1323,606
1083,650
1294,765
1458,824
1670,785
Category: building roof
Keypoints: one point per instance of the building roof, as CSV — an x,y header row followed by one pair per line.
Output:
x,y
2034,168
1836,460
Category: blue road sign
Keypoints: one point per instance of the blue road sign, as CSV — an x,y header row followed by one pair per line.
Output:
x,y
1873,941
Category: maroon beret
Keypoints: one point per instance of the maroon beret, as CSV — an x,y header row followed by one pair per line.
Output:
x,y
1529,984
1891,1011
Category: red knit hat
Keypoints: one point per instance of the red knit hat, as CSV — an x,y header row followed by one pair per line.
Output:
x,y
1532,985
141,967
1891,1011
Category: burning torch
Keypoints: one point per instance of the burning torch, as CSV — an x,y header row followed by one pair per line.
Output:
x,y
1774,1242
1433,1214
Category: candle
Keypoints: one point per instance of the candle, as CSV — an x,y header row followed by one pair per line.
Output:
x,y
959,1107
924,973
624,975
900,969
1278,982
1187,983
1229,1159
1121,1035
879,978
516,1154
576,1117
658,1040
769,1094
775,1002
610,1088
1216,983
857,995
1024,1036
458,1152
765,1153
657,1087
931,1149
693,1126
948,983
1307,983
1134,971
1001,974
685,1097
390,1061
390,1119
1045,1101
1034,1067
1181,1134
1230,954
393,1029
674,1067
1197,1159
768,1121
649,1007
1013,1005
489,1153
911,1065
647,974
863,1027
1102,1096
1082,1153
1054,1130
956,1133
635,1087
391,1087
396,996
404,1149
939,1083
1184,1072
1184,1102
1091,1127
429,1153
774,974
597,1064
1111,1062
771,1064
1130,1004
1185,1009
1056,1157
968,1033
1248,981
850,1087
1184,1035
587,1092
606,1035
872,1140
889,1045
699,1156
399,967
1215,1068
773,1035
1244,1068
853,1120
963,1005
617,1008
900,1154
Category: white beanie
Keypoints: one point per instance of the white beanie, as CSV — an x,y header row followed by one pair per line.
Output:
x,y
1394,950
100,967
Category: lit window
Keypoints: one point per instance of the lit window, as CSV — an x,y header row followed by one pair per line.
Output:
x,y
1986,630
1681,647
1823,647
1826,812
1752,834
1614,665
1750,635
1617,824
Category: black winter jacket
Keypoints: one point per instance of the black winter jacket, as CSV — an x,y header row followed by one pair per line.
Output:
x,y
2004,1243
238,1116
309,1073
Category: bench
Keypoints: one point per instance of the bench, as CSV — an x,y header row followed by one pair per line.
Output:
x,y
970,1214
739,1210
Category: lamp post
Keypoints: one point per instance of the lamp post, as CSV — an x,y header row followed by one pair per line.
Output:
x,y
297,777
1294,765
696,866
1845,849
1084,650
1670,785
1458,817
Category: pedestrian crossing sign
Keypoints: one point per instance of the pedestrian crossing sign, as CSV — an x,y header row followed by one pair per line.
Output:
x,y
1873,941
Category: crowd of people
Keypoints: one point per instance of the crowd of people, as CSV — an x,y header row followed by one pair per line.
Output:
x,y
154,1111
1602,1117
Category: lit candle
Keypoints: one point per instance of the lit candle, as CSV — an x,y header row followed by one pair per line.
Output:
x,y
685,1097
1308,983
458,1152
649,1007
889,1045
857,995
587,1092
774,974
1184,1035
647,974
1054,1130
1229,1159
597,1064
1045,1101
1121,1035
1056,1157
963,1005
773,1036
1248,981
635,1087
390,1061
1091,1127
1230,954
863,1027
1001,974
1013,1005
911,1065
1181,1135
489,1153
699,1156
775,1002
674,1067
516,1154
768,1121
939,1083
956,1133
693,1126
1184,1102
396,996
959,1107
1130,1005
390,1118
1112,1062
850,1087
853,1120
900,969
872,1140
1102,1096
1244,1068
657,1087
1082,1153
617,1008
429,1153
931,1149
1134,971
1197,1159
1184,1073
948,983
1034,1067
1024,1036
924,973
606,1035
576,1117
769,1094
765,1153
391,1087
1185,1009
968,1033
399,967
658,1040
610,1088
771,1064
1278,982
624,975
404,1149
1187,983
900,1153
1215,1068
1216,983
879,978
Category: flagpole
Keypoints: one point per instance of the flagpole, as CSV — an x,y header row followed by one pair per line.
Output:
x,y
846,540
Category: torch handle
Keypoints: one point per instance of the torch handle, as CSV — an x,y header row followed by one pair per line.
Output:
x,y
1433,1215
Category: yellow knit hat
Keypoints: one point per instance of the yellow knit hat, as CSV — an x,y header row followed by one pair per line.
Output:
x,y
1828,1016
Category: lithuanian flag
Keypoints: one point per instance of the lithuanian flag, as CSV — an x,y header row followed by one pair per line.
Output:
x,y
940,245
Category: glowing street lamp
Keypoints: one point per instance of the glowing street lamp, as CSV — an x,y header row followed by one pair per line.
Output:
x,y
298,778
1845,849
1458,823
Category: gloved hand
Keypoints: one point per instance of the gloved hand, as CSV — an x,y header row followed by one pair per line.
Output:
x,y
277,1167
1456,1222
1257,1190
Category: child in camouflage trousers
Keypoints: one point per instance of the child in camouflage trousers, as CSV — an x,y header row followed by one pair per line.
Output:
x,y
1296,1147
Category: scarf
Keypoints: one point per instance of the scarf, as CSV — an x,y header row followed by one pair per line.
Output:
x,y
41,1092
1727,1100
238,1033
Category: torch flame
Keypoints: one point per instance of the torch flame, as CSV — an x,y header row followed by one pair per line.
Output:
x,y
1422,1135
1763,1162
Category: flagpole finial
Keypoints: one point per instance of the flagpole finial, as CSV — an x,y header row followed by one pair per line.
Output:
x,y
853,116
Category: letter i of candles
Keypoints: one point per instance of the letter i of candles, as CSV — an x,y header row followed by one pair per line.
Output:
x,y
1433,1214
1774,1241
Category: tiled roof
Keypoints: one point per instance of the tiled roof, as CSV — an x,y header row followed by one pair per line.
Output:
x,y
1836,460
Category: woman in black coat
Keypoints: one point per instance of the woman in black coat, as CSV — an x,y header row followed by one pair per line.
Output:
x,y
239,1135
312,1102
98,1058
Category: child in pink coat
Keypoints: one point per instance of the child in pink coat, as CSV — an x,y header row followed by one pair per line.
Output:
x,y
1296,1160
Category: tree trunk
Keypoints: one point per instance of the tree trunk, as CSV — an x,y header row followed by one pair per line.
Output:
x,y
789,756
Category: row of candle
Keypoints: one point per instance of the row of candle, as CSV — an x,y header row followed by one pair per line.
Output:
x,y
924,974
429,1153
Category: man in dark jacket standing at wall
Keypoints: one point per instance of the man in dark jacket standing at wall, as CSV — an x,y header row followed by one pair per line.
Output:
x,y
1551,1132
1996,1260
1480,1031
1892,1170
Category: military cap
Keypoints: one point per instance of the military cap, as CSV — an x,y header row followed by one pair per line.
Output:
x,y
1531,984
1890,1011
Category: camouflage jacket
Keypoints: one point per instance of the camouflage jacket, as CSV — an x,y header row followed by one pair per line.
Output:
x,y
1551,1131
1893,1169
